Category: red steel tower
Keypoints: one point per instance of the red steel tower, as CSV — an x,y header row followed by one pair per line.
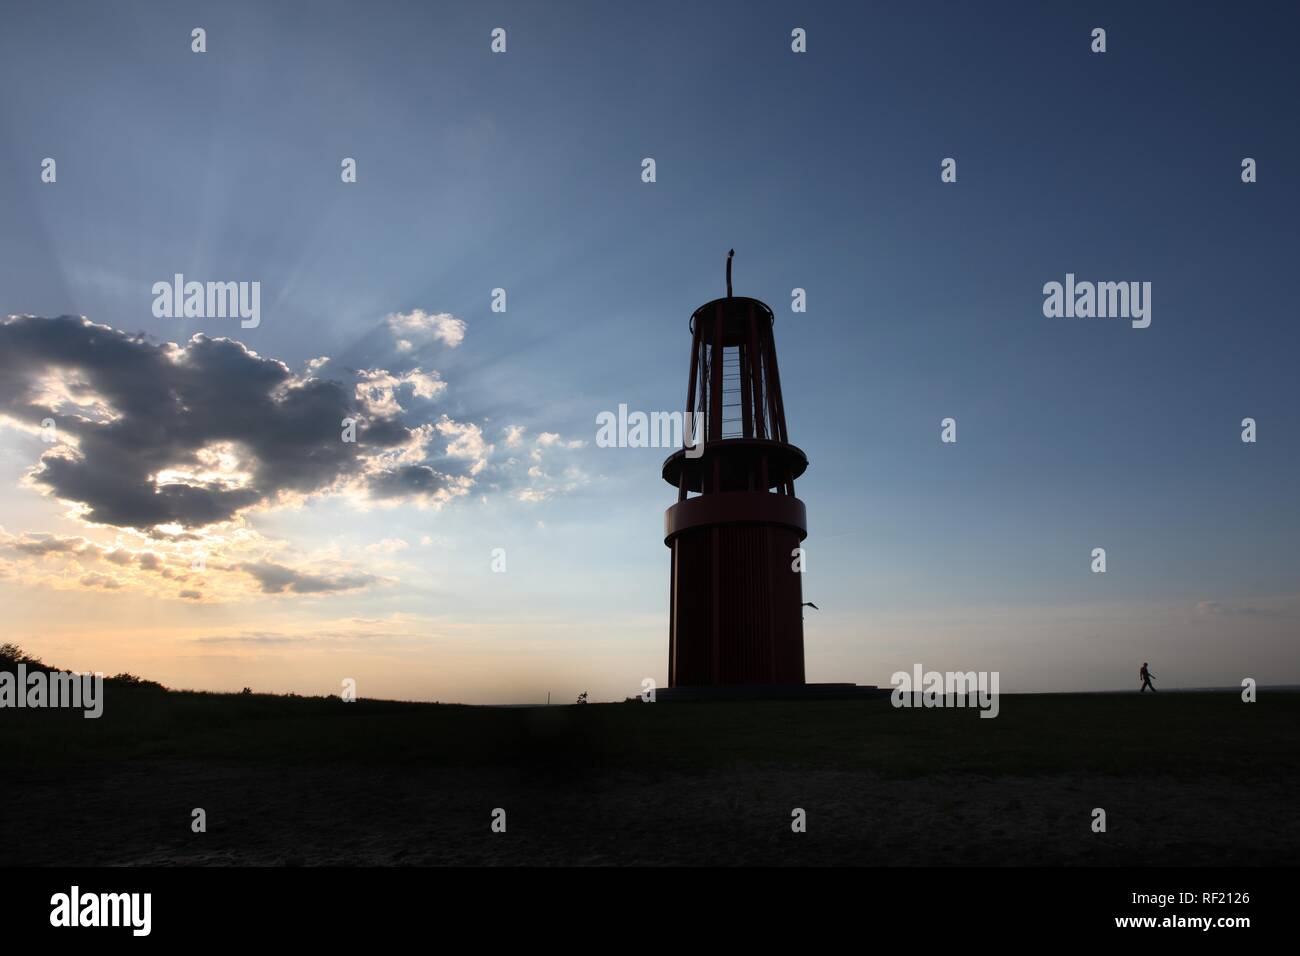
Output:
x,y
736,616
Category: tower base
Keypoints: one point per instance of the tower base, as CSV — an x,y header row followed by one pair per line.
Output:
x,y
769,692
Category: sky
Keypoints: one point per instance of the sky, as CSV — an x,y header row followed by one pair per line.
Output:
x,y
180,439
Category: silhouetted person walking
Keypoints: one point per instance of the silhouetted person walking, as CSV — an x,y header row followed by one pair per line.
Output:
x,y
1146,678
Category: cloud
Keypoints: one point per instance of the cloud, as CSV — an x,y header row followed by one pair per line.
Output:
x,y
1273,608
277,579
41,544
163,448
186,436
250,637
377,389
100,581
392,628
553,440
171,571
465,441
388,546
412,329
420,483
256,638
547,472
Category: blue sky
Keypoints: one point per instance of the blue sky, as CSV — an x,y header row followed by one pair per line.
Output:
x,y
522,171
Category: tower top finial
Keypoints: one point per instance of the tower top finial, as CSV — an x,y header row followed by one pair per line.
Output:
x,y
730,253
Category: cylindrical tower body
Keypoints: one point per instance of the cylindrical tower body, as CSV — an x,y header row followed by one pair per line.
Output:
x,y
736,613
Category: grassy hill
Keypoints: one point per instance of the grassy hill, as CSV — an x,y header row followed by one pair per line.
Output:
x,y
1185,778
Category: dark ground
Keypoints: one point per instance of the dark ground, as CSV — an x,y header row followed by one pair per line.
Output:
x,y
1185,779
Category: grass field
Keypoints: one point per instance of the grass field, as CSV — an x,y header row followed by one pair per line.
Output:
x,y
1185,779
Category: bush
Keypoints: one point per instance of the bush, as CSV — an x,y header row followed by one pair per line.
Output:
x,y
11,653
130,680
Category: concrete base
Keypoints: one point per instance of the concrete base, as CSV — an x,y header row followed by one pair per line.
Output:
x,y
768,692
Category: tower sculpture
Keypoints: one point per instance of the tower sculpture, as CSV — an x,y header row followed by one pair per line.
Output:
x,y
737,527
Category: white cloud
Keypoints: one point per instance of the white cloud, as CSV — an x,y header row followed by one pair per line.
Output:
x,y
466,441
418,327
548,473
388,546
377,389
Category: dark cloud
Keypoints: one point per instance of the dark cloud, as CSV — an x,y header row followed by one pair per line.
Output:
x,y
407,480
40,543
270,637
100,581
1221,609
169,403
276,579
250,637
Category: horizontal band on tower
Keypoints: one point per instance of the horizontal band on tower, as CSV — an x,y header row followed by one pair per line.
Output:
x,y
735,312
742,464
736,507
